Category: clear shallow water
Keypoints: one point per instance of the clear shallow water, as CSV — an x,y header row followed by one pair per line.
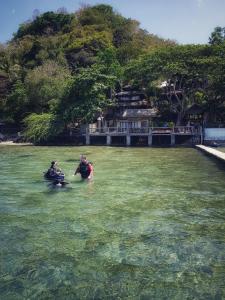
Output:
x,y
150,226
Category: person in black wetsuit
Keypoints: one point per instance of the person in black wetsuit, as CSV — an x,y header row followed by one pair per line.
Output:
x,y
84,168
53,170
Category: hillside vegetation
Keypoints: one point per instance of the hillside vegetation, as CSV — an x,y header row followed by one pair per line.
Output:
x,y
62,69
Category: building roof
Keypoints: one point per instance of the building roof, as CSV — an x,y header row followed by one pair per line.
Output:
x,y
138,113
133,103
129,93
128,87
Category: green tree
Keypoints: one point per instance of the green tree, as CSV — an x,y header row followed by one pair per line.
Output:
x,y
85,43
183,70
45,85
217,36
45,24
17,102
216,83
87,95
109,64
38,62
40,128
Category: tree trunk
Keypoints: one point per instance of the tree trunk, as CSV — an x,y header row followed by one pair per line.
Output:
x,y
179,118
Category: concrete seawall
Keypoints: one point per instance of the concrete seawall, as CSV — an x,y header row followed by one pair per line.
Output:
x,y
212,152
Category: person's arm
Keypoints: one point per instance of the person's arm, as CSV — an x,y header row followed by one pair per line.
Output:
x,y
77,170
56,171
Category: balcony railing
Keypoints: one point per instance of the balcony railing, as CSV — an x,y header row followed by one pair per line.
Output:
x,y
178,130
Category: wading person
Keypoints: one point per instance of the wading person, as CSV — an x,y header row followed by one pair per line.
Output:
x,y
85,168
54,172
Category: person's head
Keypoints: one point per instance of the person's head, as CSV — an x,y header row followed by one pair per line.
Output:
x,y
53,163
83,159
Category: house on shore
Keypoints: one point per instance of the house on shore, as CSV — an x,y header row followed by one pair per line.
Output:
x,y
195,115
130,122
131,111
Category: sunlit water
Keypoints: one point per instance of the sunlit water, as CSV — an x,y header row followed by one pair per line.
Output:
x,y
151,225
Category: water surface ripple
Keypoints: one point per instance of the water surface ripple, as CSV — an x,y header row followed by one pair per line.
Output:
x,y
150,226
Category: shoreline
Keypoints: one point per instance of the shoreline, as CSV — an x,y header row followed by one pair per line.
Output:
x,y
11,143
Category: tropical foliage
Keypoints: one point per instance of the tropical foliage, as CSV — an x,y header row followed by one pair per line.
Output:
x,y
179,76
41,127
64,68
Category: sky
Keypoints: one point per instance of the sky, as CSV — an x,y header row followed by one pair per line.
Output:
x,y
185,21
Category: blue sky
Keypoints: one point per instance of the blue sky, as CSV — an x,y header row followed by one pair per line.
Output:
x,y
186,21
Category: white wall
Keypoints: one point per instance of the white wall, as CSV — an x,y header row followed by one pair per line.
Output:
x,y
215,134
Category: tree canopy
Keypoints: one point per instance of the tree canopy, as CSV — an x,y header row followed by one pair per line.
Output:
x,y
64,68
179,76
217,36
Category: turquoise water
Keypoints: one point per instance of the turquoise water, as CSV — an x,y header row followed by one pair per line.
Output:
x,y
151,225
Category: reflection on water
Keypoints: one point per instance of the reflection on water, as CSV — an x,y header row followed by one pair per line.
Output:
x,y
149,226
